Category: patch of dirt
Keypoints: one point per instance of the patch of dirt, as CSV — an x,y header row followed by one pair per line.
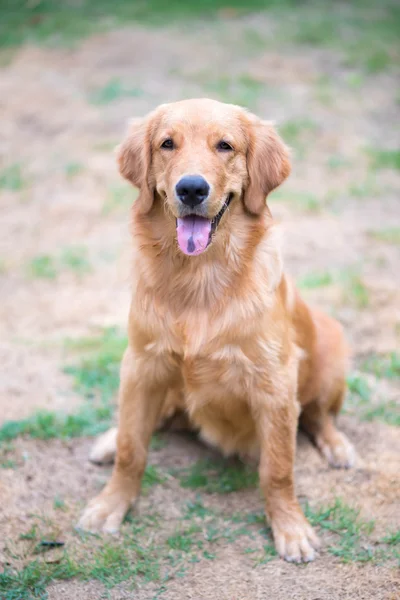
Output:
x,y
281,582
26,374
54,210
28,493
207,579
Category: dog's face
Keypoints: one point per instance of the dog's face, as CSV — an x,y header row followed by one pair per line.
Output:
x,y
199,156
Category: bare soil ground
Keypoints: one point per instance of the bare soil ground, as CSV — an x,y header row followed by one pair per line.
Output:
x,y
64,275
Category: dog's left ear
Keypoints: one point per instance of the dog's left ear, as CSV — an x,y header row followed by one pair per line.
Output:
x,y
267,163
134,161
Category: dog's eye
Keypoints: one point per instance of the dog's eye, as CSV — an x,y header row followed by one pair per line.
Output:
x,y
168,144
224,146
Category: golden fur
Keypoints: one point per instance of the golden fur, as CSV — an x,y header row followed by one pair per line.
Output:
x,y
223,336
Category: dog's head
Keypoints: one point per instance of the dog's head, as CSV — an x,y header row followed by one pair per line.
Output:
x,y
199,156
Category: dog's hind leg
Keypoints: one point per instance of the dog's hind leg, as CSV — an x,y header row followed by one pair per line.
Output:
x,y
319,423
318,416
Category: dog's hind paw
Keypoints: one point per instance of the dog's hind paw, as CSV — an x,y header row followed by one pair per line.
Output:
x,y
105,448
339,452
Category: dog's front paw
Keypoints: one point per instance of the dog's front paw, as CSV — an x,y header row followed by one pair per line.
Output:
x,y
105,512
295,540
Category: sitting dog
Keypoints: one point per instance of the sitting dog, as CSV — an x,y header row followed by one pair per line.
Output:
x,y
216,329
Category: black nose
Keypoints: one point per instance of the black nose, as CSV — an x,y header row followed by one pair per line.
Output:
x,y
192,190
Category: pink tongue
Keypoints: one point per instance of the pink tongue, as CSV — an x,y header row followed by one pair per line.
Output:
x,y
193,234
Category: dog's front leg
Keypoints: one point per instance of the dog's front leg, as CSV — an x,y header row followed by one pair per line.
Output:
x,y
140,402
276,420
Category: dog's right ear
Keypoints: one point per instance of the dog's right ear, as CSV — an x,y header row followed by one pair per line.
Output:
x,y
134,160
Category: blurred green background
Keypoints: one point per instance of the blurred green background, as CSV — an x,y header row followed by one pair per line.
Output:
x,y
365,31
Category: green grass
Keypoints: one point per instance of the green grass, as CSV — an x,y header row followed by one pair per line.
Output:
x,y
112,91
377,61
61,22
6,462
355,80
389,235
185,540
218,476
363,33
46,425
32,581
72,169
43,266
105,146
337,161
323,90
350,531
393,539
119,197
372,59
359,397
359,386
136,558
383,365
316,31
197,509
75,258
354,289
302,201
362,402
157,442
243,89
357,291
111,564
11,178
370,187
252,42
293,130
299,133
385,159
6,456
388,412
32,534
71,258
130,558
269,553
95,376
59,504
315,280
151,477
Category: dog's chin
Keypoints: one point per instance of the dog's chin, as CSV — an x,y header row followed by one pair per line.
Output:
x,y
195,233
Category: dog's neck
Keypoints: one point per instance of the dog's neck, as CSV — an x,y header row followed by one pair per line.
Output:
x,y
210,279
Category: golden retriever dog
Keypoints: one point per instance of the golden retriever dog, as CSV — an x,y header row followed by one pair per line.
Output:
x,y
215,328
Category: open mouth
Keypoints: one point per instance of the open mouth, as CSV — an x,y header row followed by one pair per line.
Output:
x,y
195,233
